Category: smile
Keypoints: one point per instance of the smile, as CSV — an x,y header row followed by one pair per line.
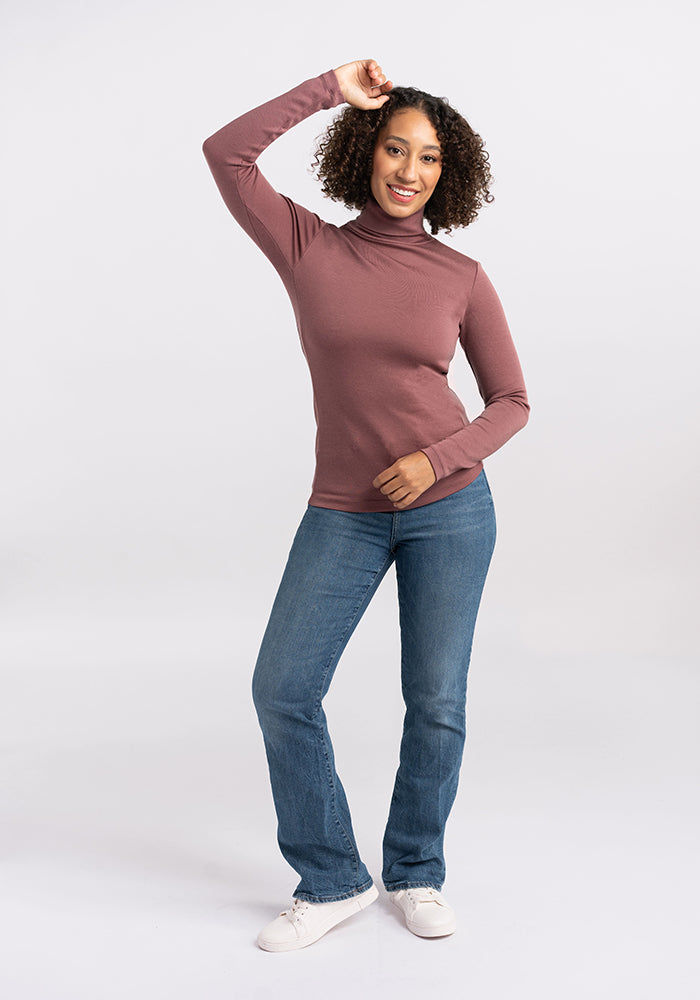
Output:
x,y
402,194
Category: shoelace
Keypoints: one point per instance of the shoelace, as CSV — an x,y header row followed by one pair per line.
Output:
x,y
296,911
423,894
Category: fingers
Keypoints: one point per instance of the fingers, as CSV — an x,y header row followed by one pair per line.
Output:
x,y
377,77
401,496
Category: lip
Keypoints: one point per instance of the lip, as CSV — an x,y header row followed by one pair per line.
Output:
x,y
400,198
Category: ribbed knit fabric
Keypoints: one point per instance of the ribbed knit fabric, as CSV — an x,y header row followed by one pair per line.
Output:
x,y
380,306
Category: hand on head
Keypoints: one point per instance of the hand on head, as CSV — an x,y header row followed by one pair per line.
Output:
x,y
363,84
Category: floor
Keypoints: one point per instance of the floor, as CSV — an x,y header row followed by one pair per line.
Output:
x,y
138,850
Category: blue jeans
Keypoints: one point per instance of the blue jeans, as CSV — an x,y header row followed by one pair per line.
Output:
x,y
336,562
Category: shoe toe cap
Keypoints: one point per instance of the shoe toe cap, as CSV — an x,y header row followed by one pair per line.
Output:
x,y
279,931
433,922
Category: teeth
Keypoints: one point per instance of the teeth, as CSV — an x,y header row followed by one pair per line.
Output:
x,y
401,190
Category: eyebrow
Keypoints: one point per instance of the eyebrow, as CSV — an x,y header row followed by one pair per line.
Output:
x,y
407,143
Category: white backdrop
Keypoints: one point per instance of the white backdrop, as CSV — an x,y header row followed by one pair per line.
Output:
x,y
157,443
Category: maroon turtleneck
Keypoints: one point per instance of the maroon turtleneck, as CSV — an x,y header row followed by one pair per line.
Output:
x,y
380,306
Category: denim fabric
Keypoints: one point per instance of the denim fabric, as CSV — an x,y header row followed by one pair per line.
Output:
x,y
442,552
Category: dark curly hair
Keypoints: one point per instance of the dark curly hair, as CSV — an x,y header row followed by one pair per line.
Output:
x,y
344,154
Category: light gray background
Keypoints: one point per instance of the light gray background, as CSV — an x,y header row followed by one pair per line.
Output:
x,y
157,455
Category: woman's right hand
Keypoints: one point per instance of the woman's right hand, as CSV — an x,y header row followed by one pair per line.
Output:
x,y
363,84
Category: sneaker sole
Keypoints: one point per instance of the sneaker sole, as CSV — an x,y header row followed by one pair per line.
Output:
x,y
433,931
360,902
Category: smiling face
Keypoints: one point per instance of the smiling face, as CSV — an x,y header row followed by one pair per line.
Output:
x,y
407,156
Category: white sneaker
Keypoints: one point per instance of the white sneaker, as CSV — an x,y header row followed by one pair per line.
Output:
x,y
306,922
427,913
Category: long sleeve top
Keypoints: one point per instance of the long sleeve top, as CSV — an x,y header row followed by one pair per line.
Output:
x,y
380,305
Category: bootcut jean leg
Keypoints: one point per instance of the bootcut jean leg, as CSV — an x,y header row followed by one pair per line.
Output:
x,y
335,564
443,551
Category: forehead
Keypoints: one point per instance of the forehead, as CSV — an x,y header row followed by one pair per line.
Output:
x,y
412,127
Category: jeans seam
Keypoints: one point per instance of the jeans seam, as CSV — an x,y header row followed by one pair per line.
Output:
x,y
397,886
394,525
353,619
348,841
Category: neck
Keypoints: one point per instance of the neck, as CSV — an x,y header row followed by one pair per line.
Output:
x,y
374,219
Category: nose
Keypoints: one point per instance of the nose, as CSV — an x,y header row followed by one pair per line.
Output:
x,y
409,171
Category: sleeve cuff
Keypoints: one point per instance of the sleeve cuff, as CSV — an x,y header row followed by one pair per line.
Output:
x,y
434,460
335,94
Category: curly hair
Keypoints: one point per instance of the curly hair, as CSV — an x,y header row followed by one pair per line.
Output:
x,y
344,154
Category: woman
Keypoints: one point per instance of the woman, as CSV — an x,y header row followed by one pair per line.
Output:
x,y
380,305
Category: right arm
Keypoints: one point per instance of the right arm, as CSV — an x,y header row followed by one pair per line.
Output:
x,y
282,228
279,226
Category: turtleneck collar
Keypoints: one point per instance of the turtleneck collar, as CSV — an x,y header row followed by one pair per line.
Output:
x,y
374,220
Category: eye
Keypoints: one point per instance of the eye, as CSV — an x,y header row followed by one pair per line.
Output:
x,y
396,149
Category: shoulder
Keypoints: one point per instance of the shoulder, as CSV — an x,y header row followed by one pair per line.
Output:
x,y
461,262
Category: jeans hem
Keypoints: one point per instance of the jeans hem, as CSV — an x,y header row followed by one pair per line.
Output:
x,y
396,886
311,898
